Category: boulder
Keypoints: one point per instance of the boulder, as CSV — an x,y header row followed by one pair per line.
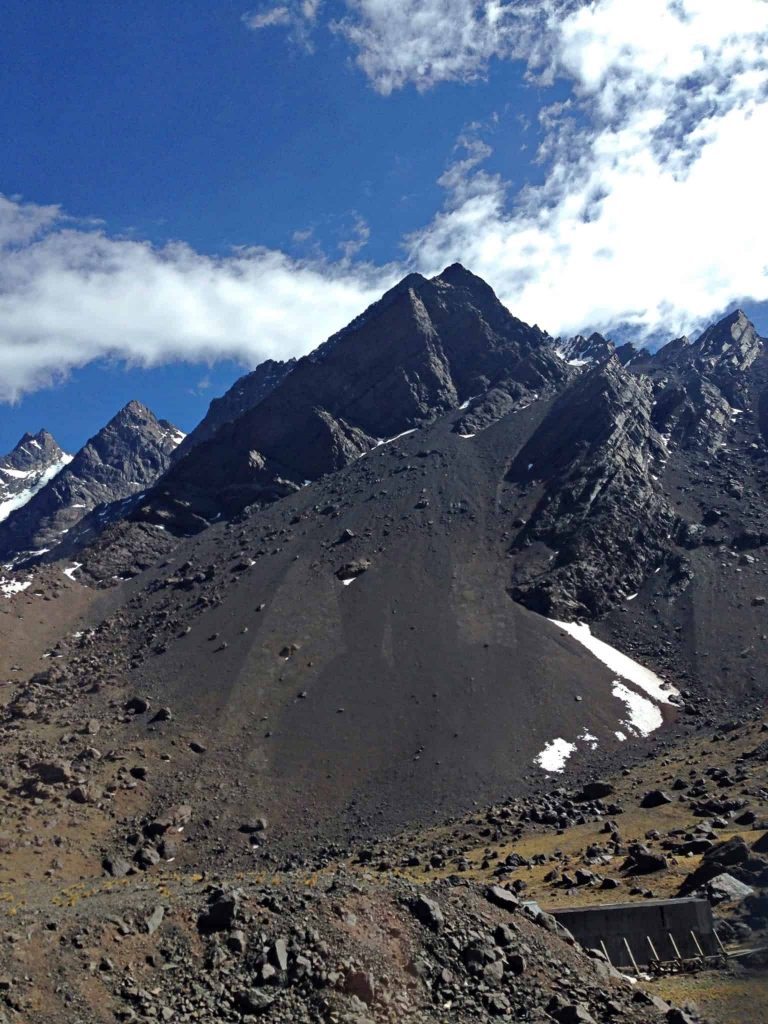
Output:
x,y
655,798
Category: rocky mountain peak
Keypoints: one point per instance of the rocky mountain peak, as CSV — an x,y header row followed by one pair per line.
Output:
x,y
35,460
426,347
123,458
732,341
582,351
133,412
32,450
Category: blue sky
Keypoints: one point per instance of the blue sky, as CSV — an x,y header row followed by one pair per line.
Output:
x,y
218,182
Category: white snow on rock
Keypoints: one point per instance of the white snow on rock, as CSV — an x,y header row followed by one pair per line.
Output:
x,y
70,572
643,711
10,587
19,500
350,580
644,715
389,440
587,737
619,663
553,757
467,435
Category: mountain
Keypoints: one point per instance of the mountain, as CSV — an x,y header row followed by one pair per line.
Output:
x,y
585,351
34,461
128,454
245,394
439,621
426,347
392,531
581,351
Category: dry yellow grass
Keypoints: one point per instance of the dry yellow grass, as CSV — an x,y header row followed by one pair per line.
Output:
x,y
720,996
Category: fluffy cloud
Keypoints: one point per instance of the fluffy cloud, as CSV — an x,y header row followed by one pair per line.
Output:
x,y
70,295
652,212
425,41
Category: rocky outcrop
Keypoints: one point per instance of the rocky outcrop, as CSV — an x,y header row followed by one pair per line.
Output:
x,y
581,351
245,394
125,457
597,521
701,386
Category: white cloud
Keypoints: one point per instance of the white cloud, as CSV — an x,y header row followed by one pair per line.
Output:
x,y
425,41
69,296
652,211
267,19
19,222
298,16
360,232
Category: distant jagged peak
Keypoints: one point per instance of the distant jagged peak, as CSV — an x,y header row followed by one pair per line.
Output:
x,y
133,411
43,439
34,449
629,353
731,329
141,422
27,468
584,351
672,350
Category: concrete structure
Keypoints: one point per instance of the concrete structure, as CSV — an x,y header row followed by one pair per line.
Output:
x,y
671,927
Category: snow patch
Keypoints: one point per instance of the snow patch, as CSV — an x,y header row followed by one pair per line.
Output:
x,y
72,570
10,587
619,663
389,440
587,737
351,580
553,757
644,715
620,736
467,435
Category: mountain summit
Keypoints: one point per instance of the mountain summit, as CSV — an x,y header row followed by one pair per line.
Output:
x,y
128,454
426,347
35,460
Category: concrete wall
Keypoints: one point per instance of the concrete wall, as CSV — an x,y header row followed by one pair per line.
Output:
x,y
637,922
